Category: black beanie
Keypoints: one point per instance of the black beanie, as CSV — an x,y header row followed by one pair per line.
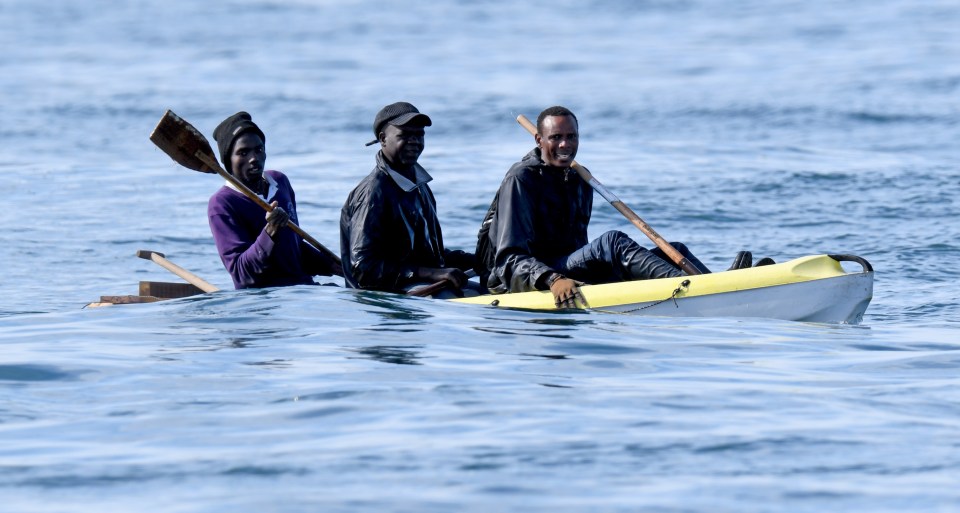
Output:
x,y
229,129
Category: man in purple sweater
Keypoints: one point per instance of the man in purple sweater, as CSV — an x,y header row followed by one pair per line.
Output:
x,y
255,247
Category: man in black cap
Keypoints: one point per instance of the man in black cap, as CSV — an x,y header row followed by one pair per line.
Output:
x,y
254,246
390,237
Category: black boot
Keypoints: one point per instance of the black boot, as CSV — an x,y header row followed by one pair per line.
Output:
x,y
765,261
743,260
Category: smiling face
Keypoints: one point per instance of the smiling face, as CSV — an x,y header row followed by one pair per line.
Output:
x,y
248,158
402,145
558,140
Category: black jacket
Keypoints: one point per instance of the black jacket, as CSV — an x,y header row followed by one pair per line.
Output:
x,y
389,227
540,214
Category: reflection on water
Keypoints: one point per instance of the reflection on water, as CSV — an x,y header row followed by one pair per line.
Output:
x,y
546,356
398,355
29,372
276,363
524,332
554,326
397,312
236,343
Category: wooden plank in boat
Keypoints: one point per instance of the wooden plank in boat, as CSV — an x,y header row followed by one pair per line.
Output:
x,y
123,300
168,290
126,300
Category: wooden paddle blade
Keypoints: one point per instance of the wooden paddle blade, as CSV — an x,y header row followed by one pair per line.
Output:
x,y
182,142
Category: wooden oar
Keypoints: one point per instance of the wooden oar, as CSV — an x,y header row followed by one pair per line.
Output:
x,y
429,290
612,198
191,278
188,147
433,288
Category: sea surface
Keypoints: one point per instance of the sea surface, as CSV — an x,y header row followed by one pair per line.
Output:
x,y
784,127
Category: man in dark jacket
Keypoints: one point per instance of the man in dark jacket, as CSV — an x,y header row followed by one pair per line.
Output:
x,y
256,247
390,236
534,236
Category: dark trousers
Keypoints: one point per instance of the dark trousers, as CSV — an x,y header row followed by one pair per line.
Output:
x,y
616,257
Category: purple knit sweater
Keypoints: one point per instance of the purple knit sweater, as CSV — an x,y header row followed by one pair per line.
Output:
x,y
252,258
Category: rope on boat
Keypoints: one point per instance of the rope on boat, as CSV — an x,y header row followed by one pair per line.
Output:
x,y
673,296
683,285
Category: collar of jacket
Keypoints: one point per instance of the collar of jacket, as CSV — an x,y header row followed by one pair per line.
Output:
x,y
419,173
268,186
543,168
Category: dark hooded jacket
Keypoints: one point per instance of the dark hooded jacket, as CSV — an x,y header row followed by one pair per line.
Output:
x,y
540,214
389,227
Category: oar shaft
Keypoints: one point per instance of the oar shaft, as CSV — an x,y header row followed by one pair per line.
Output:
x,y
214,166
193,279
433,288
429,290
631,216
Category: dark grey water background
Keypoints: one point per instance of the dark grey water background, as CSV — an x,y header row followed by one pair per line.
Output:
x,y
784,127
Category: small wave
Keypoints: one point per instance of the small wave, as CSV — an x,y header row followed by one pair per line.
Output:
x,y
885,118
31,372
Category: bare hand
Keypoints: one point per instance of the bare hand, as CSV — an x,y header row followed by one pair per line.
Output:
x,y
276,219
566,292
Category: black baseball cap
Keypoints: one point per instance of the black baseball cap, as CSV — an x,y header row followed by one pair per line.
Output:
x,y
398,114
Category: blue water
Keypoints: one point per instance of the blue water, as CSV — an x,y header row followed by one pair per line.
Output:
x,y
788,128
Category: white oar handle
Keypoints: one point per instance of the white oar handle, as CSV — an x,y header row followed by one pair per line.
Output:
x,y
190,278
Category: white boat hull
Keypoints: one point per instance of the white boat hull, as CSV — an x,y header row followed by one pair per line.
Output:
x,y
813,289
